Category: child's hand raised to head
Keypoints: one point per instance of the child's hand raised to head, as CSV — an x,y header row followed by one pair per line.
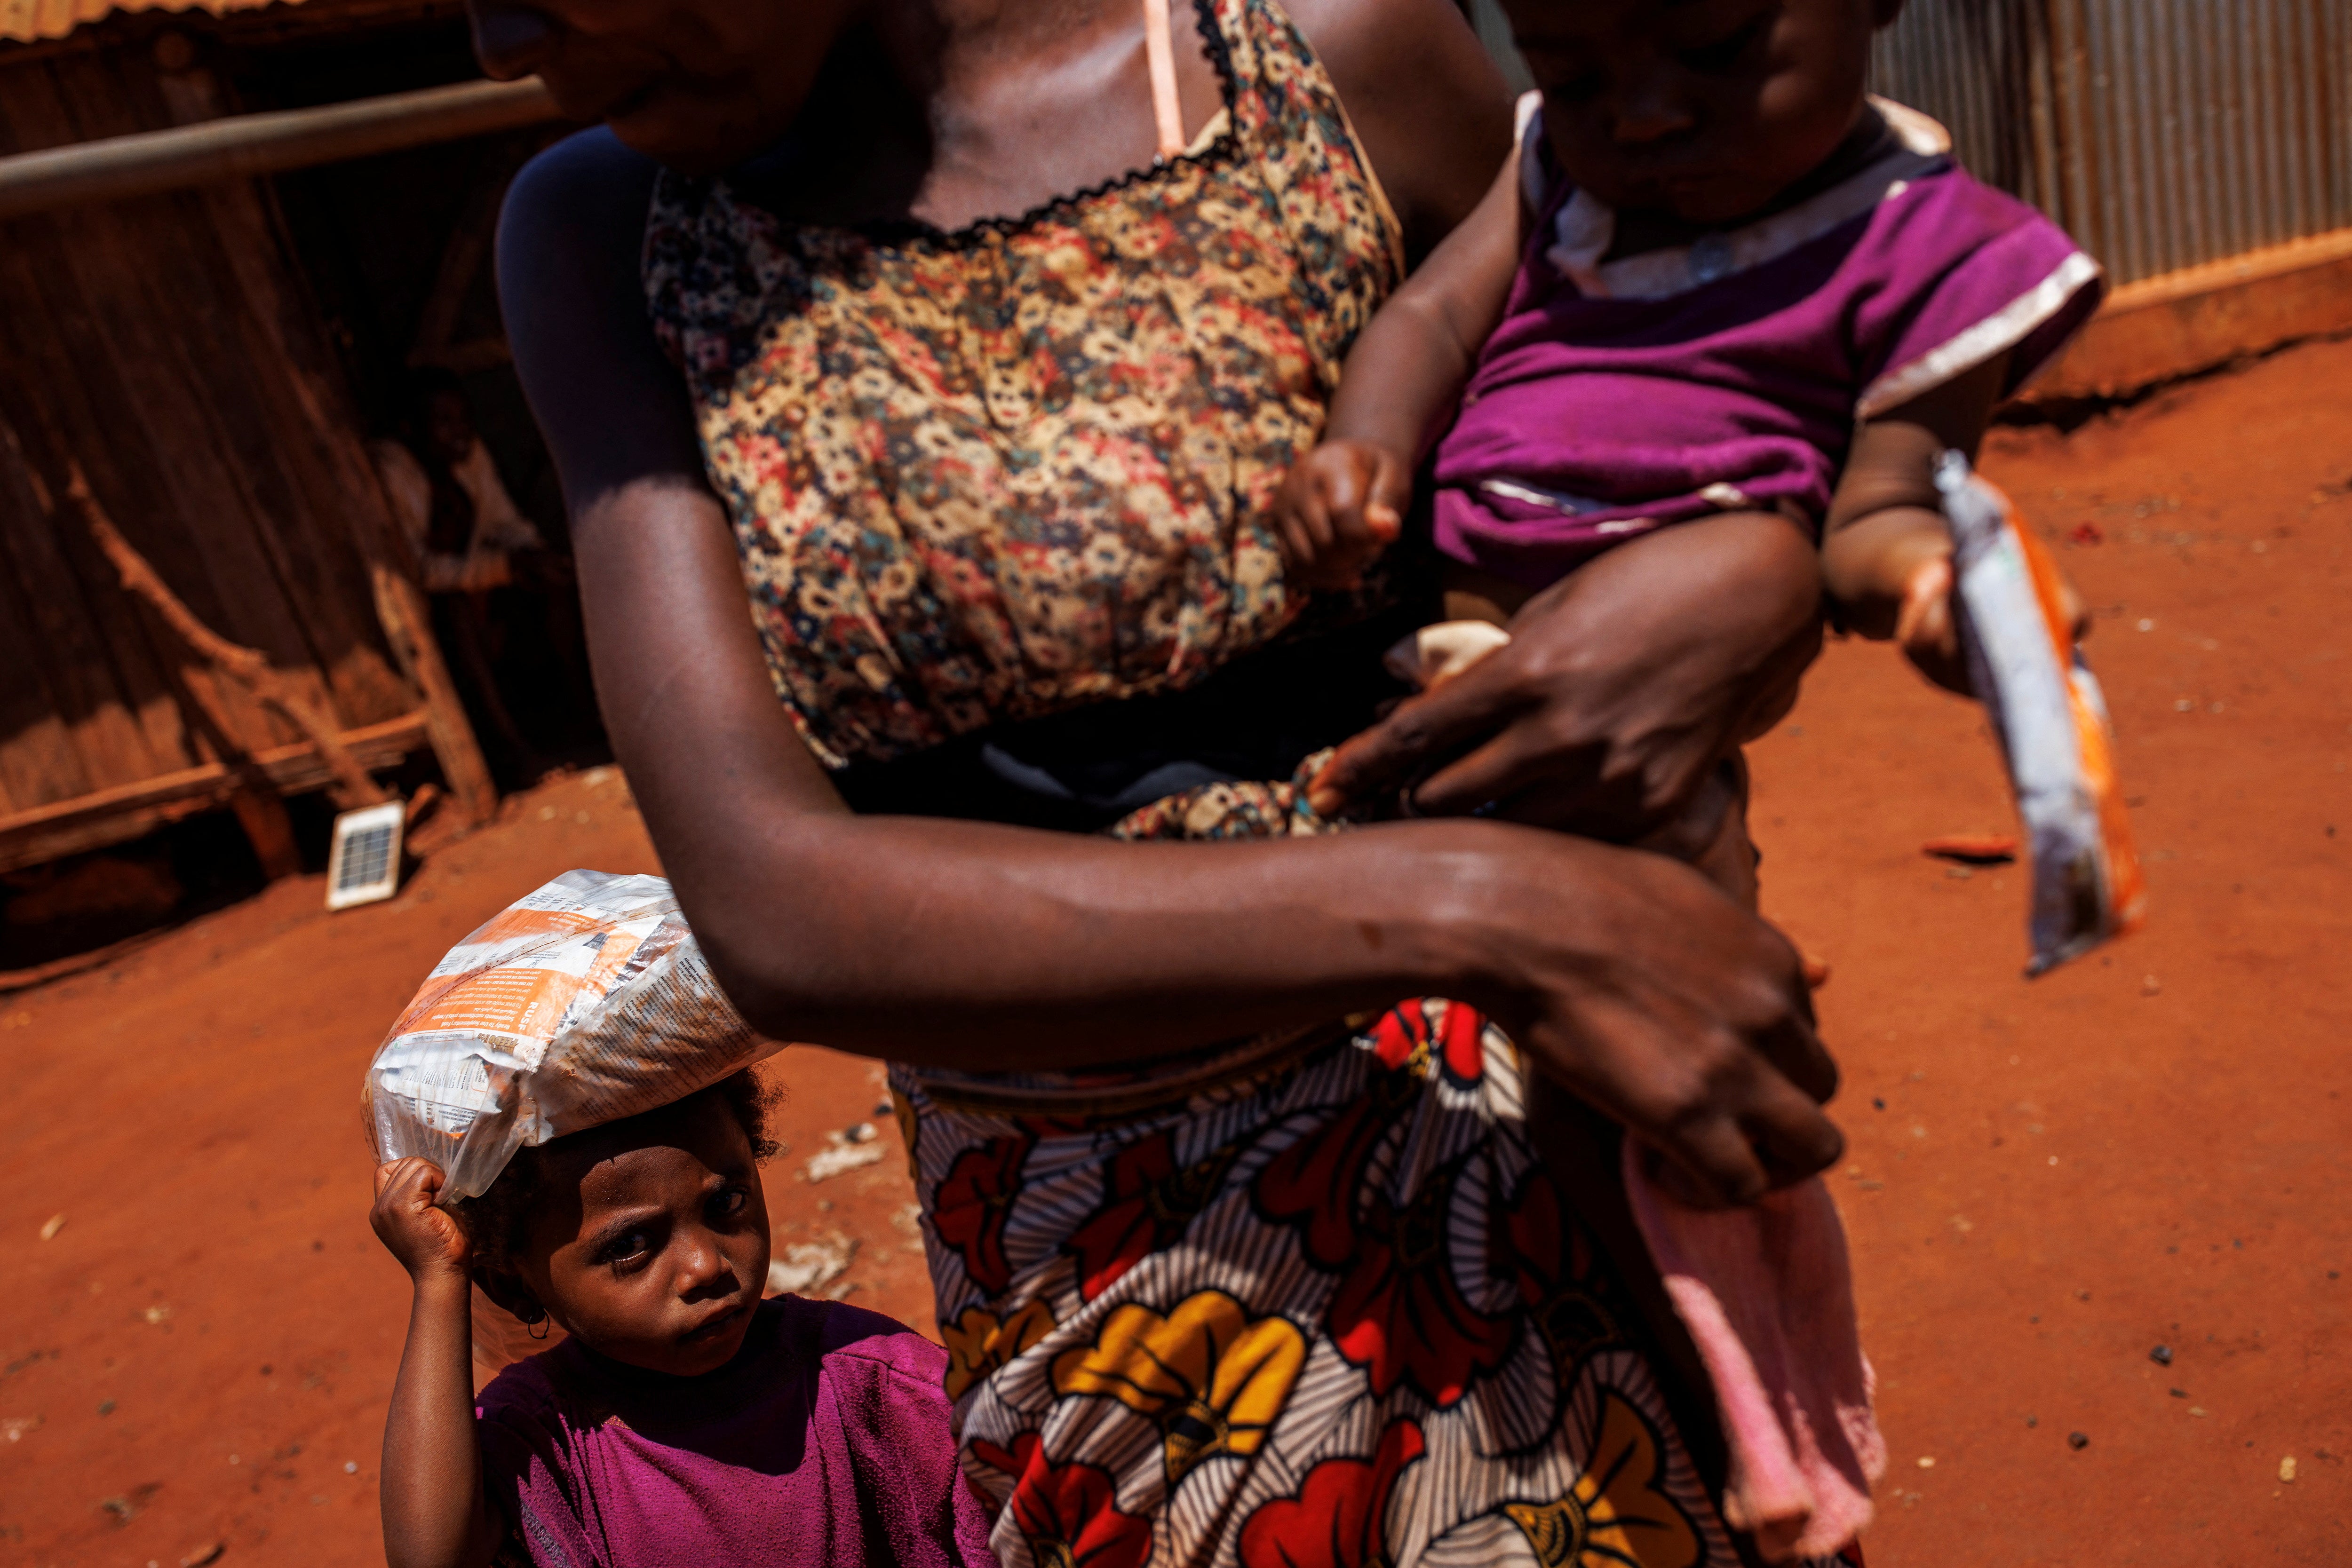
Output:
x,y
412,1226
1340,505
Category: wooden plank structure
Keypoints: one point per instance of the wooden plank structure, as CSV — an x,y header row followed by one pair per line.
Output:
x,y
168,348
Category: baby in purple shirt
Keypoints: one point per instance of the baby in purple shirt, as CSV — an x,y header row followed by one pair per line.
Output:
x,y
683,1421
1717,288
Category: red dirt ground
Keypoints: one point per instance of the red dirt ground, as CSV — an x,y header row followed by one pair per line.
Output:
x,y
2047,1179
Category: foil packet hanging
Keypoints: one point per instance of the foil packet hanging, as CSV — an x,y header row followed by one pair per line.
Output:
x,y
2050,717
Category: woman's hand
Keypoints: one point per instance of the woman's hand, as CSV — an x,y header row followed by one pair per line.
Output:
x,y
412,1226
987,948
1622,685
1637,984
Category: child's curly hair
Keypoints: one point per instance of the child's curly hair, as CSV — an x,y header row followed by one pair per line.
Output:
x,y
497,1223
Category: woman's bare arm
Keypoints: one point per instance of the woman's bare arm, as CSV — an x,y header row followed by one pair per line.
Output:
x,y
1429,107
980,946
1408,365
1345,502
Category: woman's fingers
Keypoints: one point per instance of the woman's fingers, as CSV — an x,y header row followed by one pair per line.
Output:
x,y
1679,1012
1784,1032
1528,776
1797,1054
1793,1141
1423,731
1711,1165
1738,1143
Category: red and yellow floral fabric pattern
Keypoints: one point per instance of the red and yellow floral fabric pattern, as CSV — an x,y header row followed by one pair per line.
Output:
x,y
1339,1316
1332,1313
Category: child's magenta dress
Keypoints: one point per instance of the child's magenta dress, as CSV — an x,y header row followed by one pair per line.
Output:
x,y
1621,397
823,1441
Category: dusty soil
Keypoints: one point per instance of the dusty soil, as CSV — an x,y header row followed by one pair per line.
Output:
x,y
2047,1180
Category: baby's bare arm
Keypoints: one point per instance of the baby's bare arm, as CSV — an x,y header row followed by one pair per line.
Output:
x,y
1343,503
435,1515
1885,550
1407,368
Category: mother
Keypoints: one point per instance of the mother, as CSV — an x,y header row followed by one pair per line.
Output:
x,y
886,310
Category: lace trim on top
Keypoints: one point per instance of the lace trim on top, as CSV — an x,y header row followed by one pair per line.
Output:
x,y
991,475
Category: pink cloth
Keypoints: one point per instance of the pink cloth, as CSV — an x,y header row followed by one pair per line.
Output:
x,y
1768,1298
824,1441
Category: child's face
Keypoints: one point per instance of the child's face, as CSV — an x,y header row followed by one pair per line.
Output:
x,y
1703,109
653,1253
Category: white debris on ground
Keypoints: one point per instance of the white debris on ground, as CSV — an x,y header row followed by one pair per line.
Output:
x,y
909,1220
846,1151
808,1267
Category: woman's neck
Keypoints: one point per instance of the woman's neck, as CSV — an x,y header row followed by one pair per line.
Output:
x,y
944,113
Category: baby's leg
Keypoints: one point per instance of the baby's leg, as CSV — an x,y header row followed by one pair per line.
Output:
x,y
1475,595
1711,834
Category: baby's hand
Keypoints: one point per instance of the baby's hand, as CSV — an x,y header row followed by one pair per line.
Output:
x,y
411,1226
1927,624
1340,505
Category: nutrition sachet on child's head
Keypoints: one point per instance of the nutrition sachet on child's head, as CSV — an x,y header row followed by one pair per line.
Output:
x,y
2051,720
584,1002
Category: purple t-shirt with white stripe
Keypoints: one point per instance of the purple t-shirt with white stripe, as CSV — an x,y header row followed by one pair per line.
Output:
x,y
1619,397
825,1440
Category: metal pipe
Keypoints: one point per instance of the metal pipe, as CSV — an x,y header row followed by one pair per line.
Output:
x,y
245,146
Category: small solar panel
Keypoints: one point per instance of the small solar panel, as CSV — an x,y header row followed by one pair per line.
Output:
x,y
363,866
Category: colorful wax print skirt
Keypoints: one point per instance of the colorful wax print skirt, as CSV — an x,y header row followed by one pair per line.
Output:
x,y
1328,1308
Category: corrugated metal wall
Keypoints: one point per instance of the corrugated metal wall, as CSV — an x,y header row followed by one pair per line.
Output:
x,y
2161,133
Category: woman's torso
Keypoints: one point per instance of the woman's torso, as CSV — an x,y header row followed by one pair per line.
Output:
x,y
992,477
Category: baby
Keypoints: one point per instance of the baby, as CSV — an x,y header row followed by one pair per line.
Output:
x,y
684,1419
1718,287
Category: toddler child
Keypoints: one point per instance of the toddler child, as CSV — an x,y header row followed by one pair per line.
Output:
x,y
1718,287
683,1421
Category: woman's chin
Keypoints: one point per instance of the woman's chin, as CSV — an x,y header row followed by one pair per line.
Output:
x,y
697,139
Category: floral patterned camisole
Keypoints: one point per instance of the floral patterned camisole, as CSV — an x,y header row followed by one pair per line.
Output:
x,y
1000,474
